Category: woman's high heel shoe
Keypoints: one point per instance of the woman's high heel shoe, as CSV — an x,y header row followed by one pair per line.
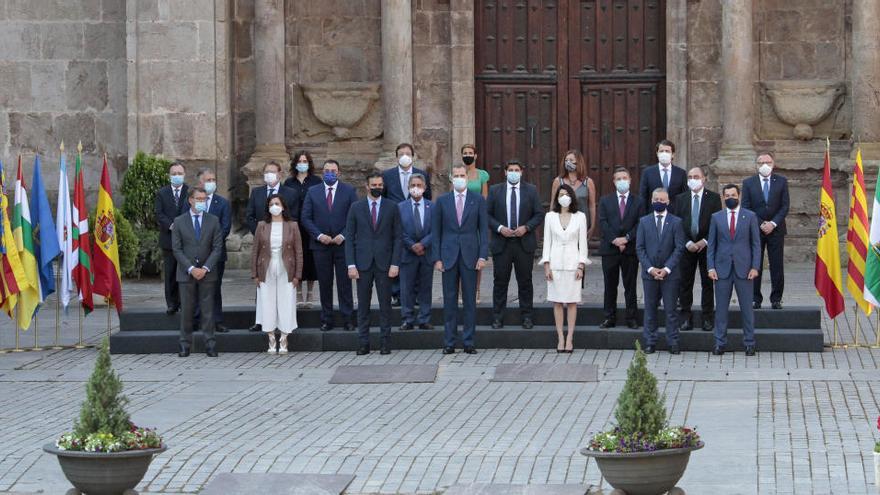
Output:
x,y
282,344
271,342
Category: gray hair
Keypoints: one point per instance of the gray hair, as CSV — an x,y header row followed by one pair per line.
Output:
x,y
416,176
660,190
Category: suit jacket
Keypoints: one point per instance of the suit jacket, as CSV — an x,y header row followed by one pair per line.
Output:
x,y
166,211
613,226
736,256
220,208
530,214
651,180
565,248
317,219
409,234
776,208
291,251
710,202
365,246
394,192
204,252
663,251
470,239
256,207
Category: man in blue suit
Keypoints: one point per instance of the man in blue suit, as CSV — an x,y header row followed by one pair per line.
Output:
x,y
397,189
659,245
663,175
219,207
372,252
766,194
733,258
460,246
324,214
416,272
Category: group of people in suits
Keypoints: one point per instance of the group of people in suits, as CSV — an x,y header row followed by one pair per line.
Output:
x,y
396,236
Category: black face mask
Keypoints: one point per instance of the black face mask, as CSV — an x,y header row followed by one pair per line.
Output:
x,y
731,203
376,191
468,160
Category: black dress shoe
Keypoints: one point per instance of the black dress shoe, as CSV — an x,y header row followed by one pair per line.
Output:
x,y
171,311
184,351
469,350
708,325
776,305
673,349
385,349
256,328
608,323
211,350
220,328
448,350
326,327
395,302
349,327
718,351
632,324
687,325
496,324
406,326
750,350
756,305
527,324
362,351
426,326
650,349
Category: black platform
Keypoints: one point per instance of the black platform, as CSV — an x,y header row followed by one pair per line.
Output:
x,y
794,329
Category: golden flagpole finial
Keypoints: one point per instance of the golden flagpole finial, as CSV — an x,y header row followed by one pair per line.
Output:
x,y
62,146
79,147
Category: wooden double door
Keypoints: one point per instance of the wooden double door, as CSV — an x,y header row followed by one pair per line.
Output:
x,y
554,75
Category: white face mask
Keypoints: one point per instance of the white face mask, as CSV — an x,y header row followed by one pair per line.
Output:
x,y
416,192
765,170
405,161
622,186
275,210
664,157
210,187
564,201
459,183
695,184
271,178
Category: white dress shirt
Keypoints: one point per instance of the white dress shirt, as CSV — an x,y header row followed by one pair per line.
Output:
x,y
507,204
404,180
699,196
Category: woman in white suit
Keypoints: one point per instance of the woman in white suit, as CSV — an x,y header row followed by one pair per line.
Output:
x,y
565,260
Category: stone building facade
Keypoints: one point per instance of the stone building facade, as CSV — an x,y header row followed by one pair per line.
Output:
x,y
232,83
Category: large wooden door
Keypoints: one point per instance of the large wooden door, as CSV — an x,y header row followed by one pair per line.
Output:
x,y
558,74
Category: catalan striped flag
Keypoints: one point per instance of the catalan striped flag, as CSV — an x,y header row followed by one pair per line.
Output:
x,y
857,237
828,276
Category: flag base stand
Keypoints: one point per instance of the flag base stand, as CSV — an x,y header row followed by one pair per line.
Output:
x,y
835,344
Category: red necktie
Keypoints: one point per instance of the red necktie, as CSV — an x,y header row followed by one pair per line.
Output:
x,y
329,199
622,206
373,214
732,224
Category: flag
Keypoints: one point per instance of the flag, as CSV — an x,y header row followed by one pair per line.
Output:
x,y
827,277
63,231
46,247
108,278
29,297
81,261
12,276
857,237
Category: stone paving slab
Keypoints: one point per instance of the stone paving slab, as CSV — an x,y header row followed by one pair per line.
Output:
x,y
546,372
277,484
490,489
385,373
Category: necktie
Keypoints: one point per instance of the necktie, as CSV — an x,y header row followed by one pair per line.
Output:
x,y
404,181
766,190
459,207
659,225
177,198
622,206
373,215
695,216
418,219
198,227
271,191
732,224
329,199
666,179
514,220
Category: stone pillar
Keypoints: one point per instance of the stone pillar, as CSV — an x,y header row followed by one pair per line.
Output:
x,y
461,24
397,77
677,79
737,155
270,103
864,74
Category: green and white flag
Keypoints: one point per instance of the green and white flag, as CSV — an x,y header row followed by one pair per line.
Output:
x,y
872,263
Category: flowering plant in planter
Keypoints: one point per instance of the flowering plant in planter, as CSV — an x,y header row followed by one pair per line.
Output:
x,y
136,438
877,444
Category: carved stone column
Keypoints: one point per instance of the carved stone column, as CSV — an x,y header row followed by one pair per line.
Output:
x,y
397,78
270,104
864,75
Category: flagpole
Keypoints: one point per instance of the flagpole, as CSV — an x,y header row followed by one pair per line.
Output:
x,y
79,313
836,343
858,330
109,303
57,311
877,331
17,331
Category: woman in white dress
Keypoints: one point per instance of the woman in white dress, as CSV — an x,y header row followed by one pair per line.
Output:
x,y
565,260
276,267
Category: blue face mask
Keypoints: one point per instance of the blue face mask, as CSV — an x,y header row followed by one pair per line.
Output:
x,y
201,206
302,167
514,177
330,178
659,207
176,180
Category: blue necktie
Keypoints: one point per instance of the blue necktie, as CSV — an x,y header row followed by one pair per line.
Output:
x,y
766,190
417,217
198,228
666,179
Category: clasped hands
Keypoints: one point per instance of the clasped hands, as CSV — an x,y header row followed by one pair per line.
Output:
x,y
326,239
517,232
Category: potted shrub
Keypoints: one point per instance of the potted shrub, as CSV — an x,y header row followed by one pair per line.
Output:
x,y
105,454
877,461
642,454
144,176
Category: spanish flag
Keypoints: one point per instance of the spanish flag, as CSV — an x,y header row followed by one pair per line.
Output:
x,y
22,231
105,259
857,237
827,278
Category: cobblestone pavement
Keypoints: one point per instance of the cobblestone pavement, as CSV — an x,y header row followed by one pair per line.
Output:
x,y
777,423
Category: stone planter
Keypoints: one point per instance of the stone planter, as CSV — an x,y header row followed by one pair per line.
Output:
x,y
341,106
803,104
643,473
99,473
877,472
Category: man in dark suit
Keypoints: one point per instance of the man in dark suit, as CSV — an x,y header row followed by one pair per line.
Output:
x,y
372,252
325,211
766,194
170,203
695,208
397,189
663,175
733,256
416,270
514,212
459,249
619,214
197,243
219,207
659,244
